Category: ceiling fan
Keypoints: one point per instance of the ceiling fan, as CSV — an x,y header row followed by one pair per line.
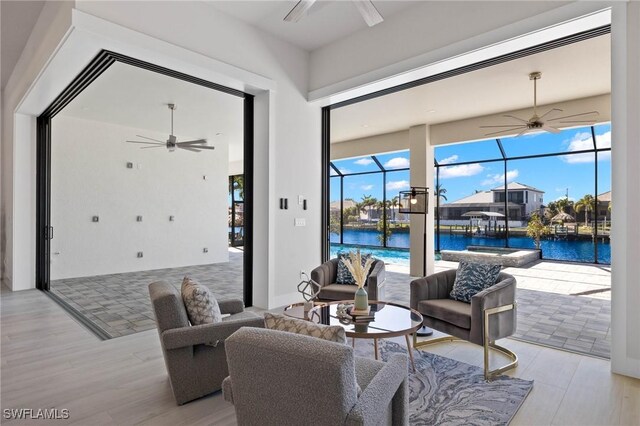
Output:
x,y
537,122
172,143
365,7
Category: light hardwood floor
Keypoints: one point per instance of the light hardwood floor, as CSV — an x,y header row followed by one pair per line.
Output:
x,y
48,360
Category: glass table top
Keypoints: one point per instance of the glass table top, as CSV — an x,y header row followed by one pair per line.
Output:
x,y
390,319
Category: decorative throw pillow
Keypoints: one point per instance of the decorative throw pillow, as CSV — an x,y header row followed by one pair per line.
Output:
x,y
332,333
202,306
344,276
472,278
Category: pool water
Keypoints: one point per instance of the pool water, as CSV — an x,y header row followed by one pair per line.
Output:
x,y
574,251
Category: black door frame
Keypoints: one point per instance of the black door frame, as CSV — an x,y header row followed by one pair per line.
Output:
x,y
44,231
326,111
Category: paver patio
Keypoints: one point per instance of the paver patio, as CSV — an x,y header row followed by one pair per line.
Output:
x,y
562,305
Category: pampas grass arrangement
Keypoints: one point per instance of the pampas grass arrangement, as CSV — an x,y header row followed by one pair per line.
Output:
x,y
357,269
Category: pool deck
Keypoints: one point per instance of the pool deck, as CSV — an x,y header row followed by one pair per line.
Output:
x,y
562,305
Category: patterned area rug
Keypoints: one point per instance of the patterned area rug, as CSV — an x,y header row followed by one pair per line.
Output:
x,y
448,392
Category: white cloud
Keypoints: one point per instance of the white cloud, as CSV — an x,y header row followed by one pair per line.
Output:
x,y
363,161
366,187
563,197
449,160
460,171
583,141
494,179
397,163
398,185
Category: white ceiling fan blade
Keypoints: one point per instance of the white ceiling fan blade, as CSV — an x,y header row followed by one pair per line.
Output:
x,y
151,139
200,147
147,143
502,125
577,121
195,142
299,10
156,146
369,12
575,115
550,129
516,118
522,132
549,112
506,131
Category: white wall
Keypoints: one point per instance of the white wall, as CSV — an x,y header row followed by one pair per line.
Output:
x,y
89,178
18,148
287,127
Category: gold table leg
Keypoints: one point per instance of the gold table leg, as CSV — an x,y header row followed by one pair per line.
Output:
x,y
375,347
410,350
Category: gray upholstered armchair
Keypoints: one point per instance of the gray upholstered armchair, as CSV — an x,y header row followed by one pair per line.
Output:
x,y
327,273
280,378
195,355
490,316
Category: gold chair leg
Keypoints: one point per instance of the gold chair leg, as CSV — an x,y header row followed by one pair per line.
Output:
x,y
487,343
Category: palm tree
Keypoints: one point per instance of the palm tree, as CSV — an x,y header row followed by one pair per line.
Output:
x,y
586,203
440,191
395,202
365,205
563,204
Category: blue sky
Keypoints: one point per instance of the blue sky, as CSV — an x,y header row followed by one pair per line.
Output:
x,y
553,175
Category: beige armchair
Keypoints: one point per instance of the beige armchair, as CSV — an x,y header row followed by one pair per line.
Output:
x,y
195,355
281,378
490,316
327,273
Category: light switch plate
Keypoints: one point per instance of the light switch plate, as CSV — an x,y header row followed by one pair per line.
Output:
x,y
300,222
300,199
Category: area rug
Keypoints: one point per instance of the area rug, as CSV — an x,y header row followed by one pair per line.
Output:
x,y
443,391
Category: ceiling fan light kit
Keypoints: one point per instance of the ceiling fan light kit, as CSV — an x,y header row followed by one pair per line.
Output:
x,y
537,122
172,142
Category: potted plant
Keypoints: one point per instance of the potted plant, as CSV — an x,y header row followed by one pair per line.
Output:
x,y
536,229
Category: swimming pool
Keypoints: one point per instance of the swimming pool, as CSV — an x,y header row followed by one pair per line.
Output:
x,y
574,251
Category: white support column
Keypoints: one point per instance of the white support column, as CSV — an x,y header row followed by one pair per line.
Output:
x,y
625,181
422,170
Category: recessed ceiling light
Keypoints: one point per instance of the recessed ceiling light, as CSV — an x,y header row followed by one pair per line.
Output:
x,y
431,111
365,125
219,134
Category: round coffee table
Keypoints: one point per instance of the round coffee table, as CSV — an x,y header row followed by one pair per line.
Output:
x,y
390,320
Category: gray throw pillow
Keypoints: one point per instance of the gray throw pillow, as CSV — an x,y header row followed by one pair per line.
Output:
x,y
332,333
472,278
344,276
202,306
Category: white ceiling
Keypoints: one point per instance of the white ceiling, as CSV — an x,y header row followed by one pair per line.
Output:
x,y
18,19
571,72
326,21
134,97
